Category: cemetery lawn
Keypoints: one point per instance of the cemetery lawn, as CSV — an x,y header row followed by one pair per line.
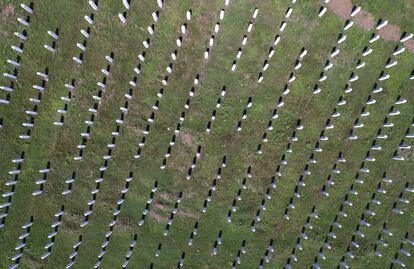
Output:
x,y
304,29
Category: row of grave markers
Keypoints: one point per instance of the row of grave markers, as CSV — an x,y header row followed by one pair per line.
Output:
x,y
151,120
18,49
400,100
383,76
71,87
357,125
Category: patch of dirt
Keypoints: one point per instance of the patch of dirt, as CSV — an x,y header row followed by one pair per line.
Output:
x,y
157,216
135,130
390,32
7,11
365,20
341,8
168,196
163,208
188,214
410,45
407,153
186,138
160,206
4,33
125,224
71,222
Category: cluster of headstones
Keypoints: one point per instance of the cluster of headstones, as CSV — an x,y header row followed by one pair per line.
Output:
x,y
341,102
341,159
276,41
180,263
94,109
244,113
329,125
130,251
148,203
244,39
281,101
402,250
364,113
12,183
355,10
336,50
69,183
194,163
169,68
169,223
292,77
119,122
191,93
123,16
44,75
79,59
52,235
342,213
241,251
269,249
214,185
16,64
86,33
22,244
364,224
215,31
123,109
264,138
217,242
368,211
243,186
114,221
172,214
214,113
283,162
179,124
302,236
55,36
41,182
95,192
393,111
74,253
36,100
194,230
97,99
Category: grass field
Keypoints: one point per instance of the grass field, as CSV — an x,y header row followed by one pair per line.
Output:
x,y
299,153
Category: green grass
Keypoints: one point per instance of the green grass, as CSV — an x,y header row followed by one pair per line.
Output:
x,y
58,145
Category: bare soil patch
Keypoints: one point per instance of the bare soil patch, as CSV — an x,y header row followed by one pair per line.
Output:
x,y
7,11
390,32
163,208
341,8
160,206
157,216
186,138
188,214
168,196
365,20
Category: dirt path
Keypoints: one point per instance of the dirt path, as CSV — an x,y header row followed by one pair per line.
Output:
x,y
390,32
